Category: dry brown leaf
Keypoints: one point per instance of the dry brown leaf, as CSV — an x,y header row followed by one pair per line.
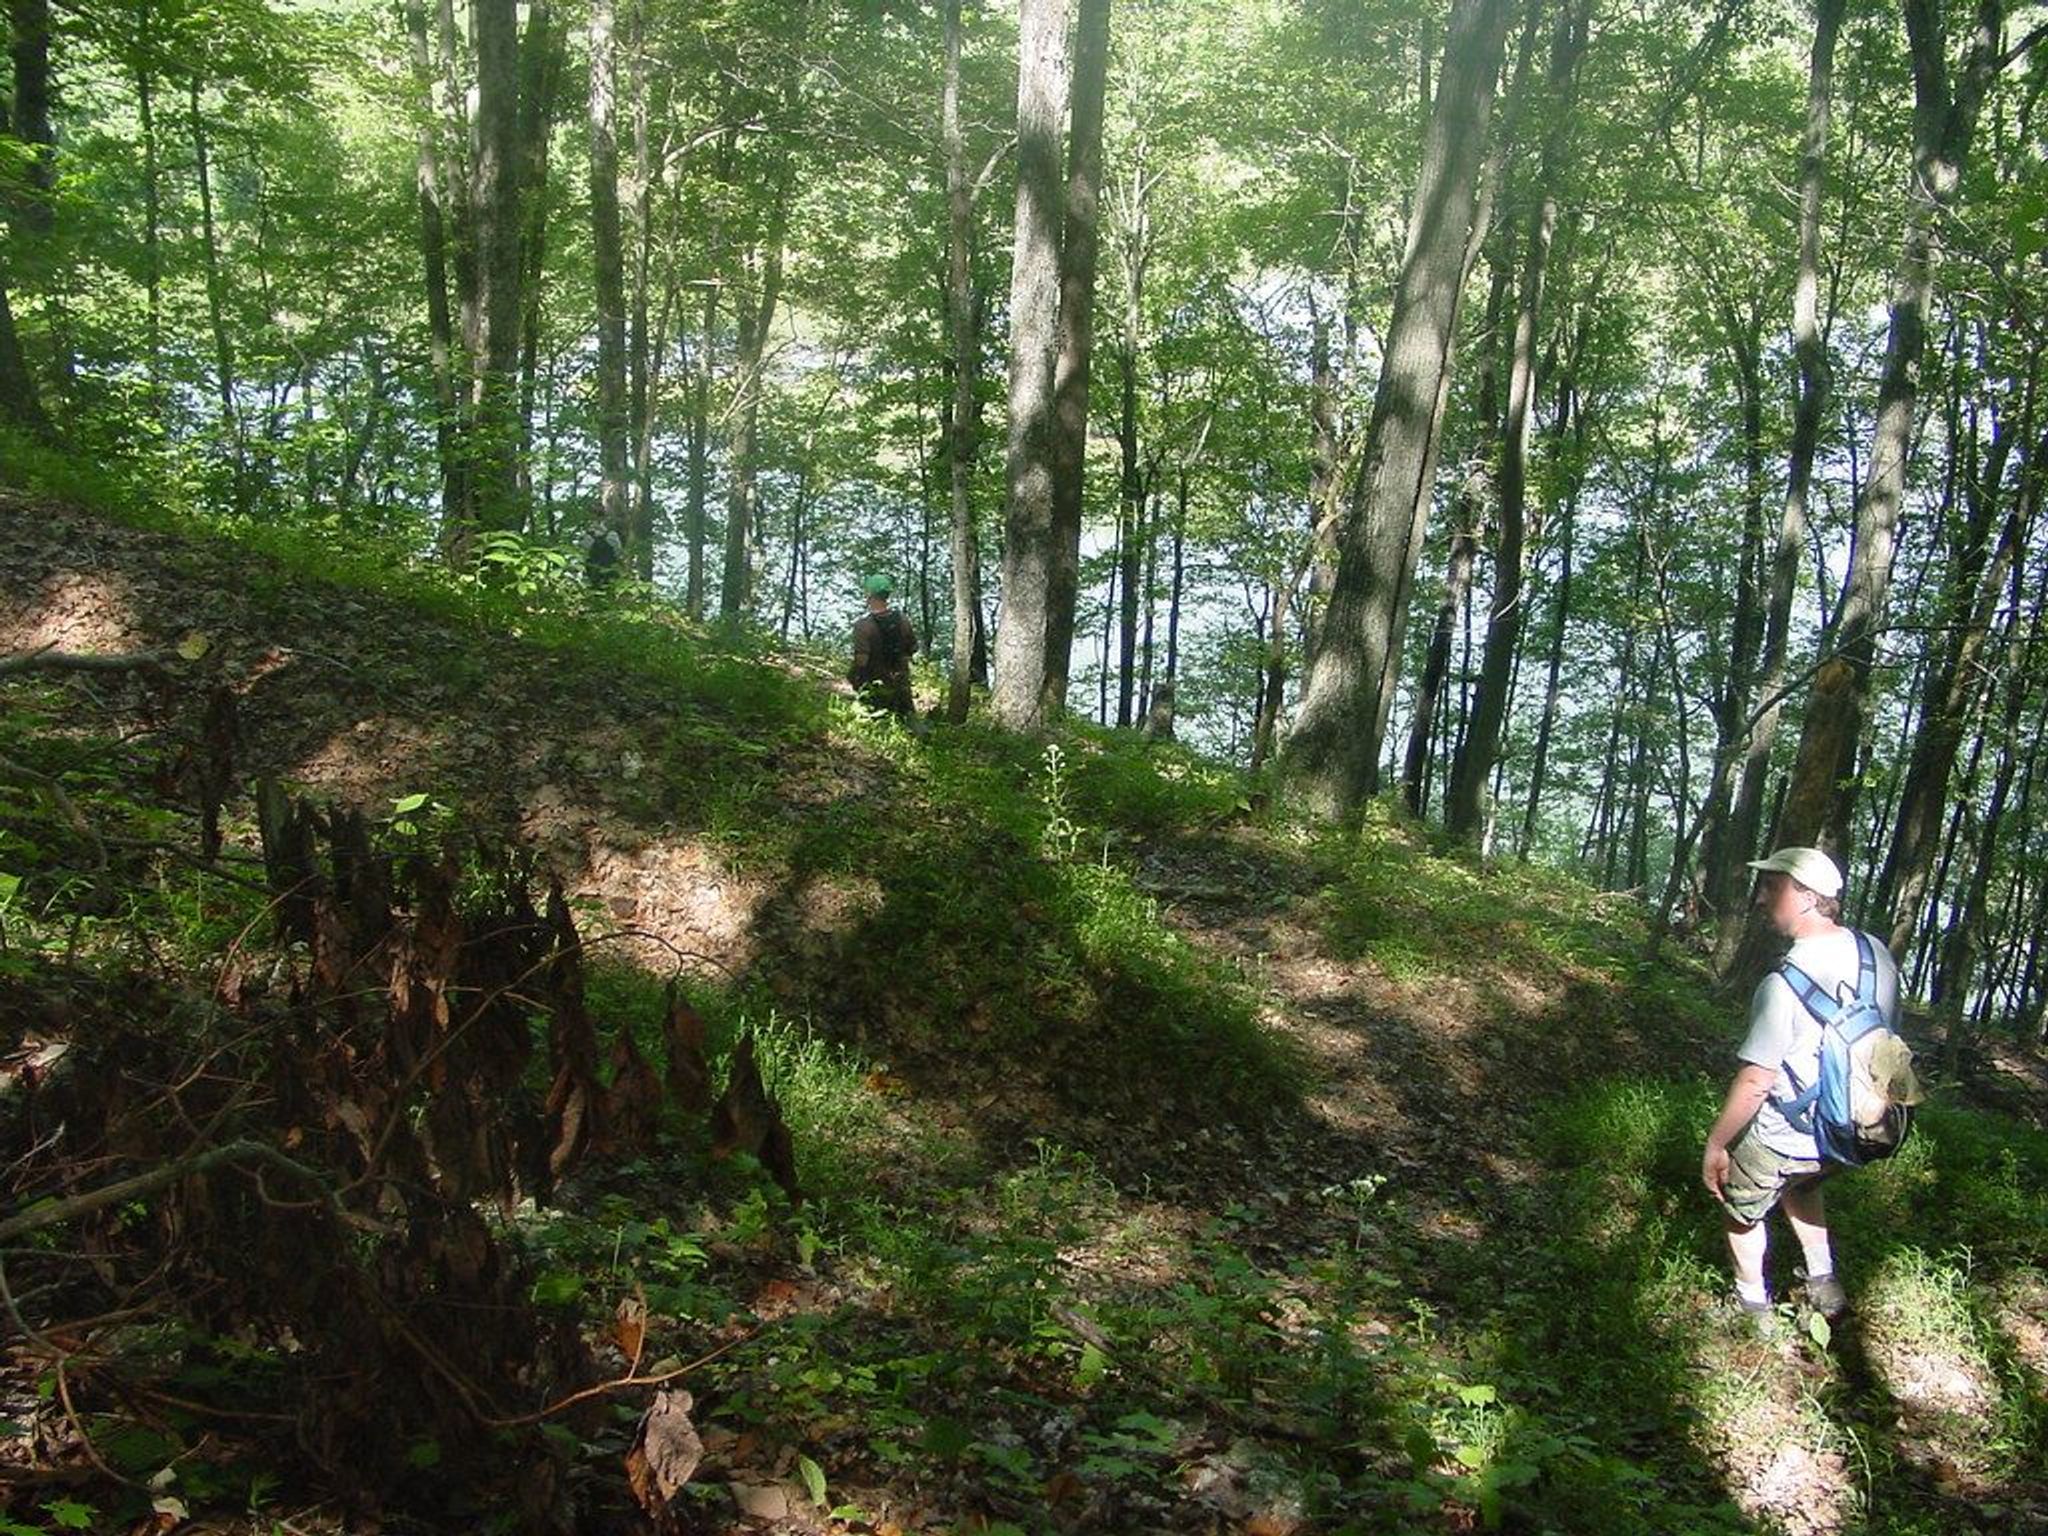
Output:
x,y
629,1324
664,1456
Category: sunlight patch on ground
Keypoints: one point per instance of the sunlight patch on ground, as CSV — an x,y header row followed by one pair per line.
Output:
x,y
2021,1310
1778,1467
78,611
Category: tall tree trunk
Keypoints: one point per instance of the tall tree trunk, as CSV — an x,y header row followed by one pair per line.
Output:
x,y
1735,930
1134,537
1952,684
1029,530
756,316
963,323
1079,244
696,510
1325,491
1819,803
1333,752
1436,666
1539,762
608,275
540,67
1159,710
152,200
492,454
1481,749
216,300
432,185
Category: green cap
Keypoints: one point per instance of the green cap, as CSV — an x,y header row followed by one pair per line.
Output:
x,y
876,586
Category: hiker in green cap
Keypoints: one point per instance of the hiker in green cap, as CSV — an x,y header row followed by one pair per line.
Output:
x,y
883,643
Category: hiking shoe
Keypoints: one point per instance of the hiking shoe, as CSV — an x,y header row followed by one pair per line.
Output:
x,y
1825,1295
1761,1317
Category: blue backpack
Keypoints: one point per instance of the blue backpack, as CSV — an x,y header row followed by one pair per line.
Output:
x,y
1850,1109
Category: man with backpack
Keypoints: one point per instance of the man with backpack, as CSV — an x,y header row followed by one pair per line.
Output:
x,y
883,643
1825,1081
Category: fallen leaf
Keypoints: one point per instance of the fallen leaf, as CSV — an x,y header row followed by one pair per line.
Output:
x,y
665,1454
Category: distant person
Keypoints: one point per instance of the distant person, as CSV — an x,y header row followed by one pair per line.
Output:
x,y
883,643
604,557
1757,1158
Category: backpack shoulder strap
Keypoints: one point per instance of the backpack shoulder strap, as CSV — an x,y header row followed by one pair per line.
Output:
x,y
1866,970
1815,998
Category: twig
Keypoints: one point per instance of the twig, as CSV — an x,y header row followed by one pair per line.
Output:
x,y
622,1384
69,811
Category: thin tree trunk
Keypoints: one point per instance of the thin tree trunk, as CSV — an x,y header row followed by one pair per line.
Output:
x,y
964,324
216,299
1952,683
490,451
1819,803
540,67
751,342
608,275
1332,754
1552,690
1481,749
1436,665
1734,932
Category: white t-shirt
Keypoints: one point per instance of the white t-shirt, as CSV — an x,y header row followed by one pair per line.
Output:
x,y
1784,1036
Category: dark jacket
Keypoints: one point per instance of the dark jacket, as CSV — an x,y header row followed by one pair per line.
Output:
x,y
883,644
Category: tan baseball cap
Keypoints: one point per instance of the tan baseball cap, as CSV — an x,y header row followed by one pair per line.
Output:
x,y
1809,866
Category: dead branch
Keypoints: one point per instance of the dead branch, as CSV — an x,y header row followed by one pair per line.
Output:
x,y
622,1384
49,659
50,1213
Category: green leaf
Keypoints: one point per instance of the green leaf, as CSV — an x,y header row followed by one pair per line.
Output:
x,y
1093,1367
1817,1327
557,1288
814,1479
423,1455
1477,1396
409,804
70,1514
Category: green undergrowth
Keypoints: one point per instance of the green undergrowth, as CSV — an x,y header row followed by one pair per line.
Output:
x,y
1619,1310
965,977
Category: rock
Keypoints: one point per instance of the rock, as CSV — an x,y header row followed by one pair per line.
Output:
x,y
759,1502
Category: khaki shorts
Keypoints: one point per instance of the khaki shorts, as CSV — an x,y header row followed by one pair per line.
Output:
x,y
1758,1176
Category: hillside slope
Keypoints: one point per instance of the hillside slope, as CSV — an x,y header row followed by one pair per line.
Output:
x,y
1230,1155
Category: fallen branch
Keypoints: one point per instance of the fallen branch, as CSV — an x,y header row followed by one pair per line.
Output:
x,y
49,659
51,1212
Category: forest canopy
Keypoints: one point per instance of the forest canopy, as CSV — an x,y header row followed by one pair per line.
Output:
x,y
1613,430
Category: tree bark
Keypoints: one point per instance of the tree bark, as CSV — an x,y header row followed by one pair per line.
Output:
x,y
1821,797
1463,807
216,298
1029,530
1436,666
1953,682
1552,690
608,274
1746,813
1079,244
490,451
756,316
1332,755
964,324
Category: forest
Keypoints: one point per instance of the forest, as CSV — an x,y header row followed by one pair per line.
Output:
x,y
1400,501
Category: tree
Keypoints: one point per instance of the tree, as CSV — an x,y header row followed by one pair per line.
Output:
x,y
1029,530
1332,757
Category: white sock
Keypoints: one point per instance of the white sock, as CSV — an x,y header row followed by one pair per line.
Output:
x,y
1757,1295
